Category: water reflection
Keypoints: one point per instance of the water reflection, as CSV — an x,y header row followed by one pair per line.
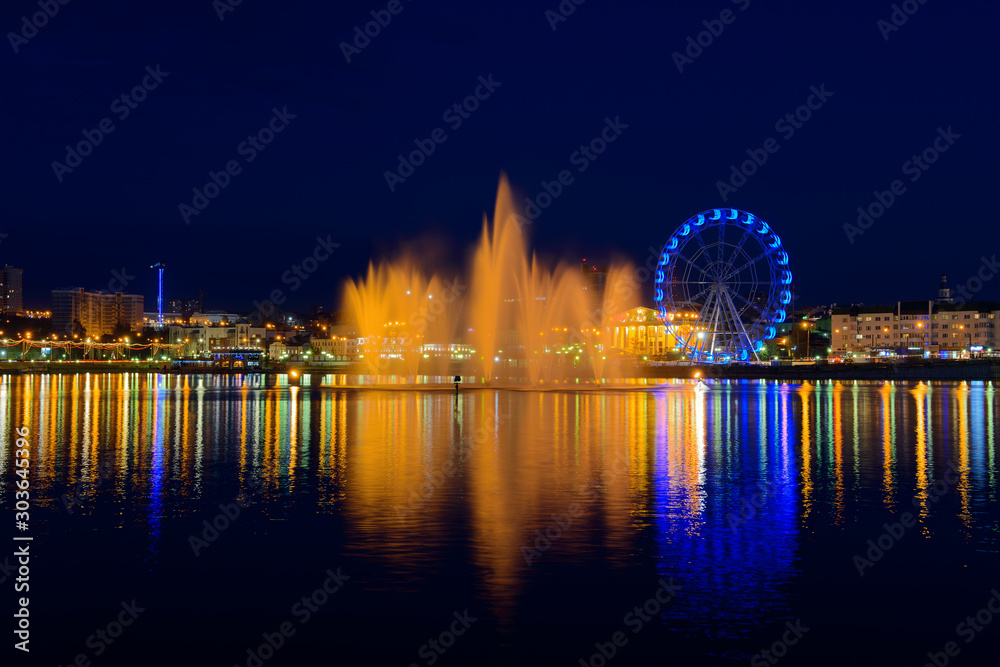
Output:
x,y
729,483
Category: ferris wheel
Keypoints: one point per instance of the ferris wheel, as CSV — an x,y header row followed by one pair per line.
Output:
x,y
722,284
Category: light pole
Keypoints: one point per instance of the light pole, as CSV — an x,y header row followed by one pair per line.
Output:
x,y
857,338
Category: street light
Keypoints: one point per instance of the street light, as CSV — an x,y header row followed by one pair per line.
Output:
x,y
806,325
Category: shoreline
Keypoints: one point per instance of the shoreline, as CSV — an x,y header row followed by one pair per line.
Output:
x,y
923,370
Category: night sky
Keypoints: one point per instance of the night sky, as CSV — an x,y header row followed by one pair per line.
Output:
x,y
885,94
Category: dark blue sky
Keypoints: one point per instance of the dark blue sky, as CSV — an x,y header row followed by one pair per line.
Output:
x,y
323,174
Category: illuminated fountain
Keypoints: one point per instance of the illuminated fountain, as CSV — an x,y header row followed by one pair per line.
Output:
x,y
525,322
395,315
369,306
622,292
492,286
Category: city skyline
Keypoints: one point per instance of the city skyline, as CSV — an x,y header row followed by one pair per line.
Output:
x,y
40,299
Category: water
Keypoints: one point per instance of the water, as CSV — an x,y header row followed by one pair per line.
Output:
x,y
546,516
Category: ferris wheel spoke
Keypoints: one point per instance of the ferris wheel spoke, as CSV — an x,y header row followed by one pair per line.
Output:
x,y
749,303
701,241
716,323
705,306
703,316
737,331
739,246
692,263
729,322
724,332
691,300
712,328
742,329
736,272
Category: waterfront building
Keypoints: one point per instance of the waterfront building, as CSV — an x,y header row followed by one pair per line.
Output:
x,y
641,331
917,328
285,351
95,314
248,358
211,318
938,328
335,348
11,291
204,340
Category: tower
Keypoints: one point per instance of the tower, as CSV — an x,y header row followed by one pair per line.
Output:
x,y
159,298
944,292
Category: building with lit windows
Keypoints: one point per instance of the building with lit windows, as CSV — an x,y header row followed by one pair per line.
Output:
x,y
285,351
211,318
594,279
95,314
11,291
202,341
916,328
335,348
641,331
933,328
238,358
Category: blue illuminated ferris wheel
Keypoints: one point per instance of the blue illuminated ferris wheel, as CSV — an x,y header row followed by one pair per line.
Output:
x,y
722,284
